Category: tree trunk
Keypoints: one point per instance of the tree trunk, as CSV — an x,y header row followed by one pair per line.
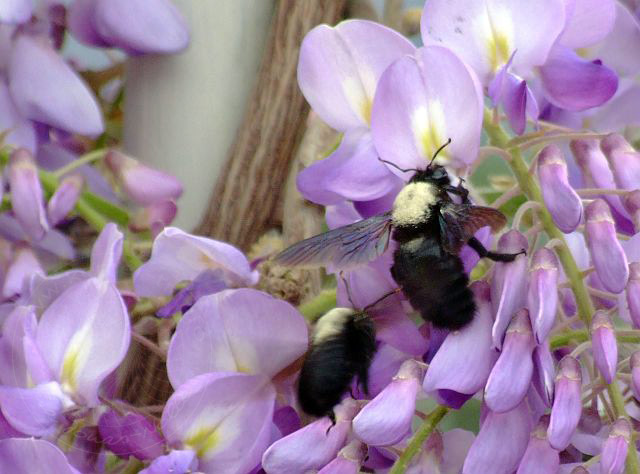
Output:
x,y
248,191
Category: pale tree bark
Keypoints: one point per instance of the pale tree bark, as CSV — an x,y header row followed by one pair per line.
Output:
x,y
246,196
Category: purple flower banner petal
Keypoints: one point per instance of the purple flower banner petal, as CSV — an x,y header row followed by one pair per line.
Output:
x,y
25,455
410,120
588,22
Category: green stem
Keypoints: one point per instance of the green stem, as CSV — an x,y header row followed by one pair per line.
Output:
x,y
577,336
316,307
585,306
420,436
80,161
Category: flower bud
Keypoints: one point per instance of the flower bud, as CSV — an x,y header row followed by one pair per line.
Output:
x,y
634,362
130,435
567,403
348,460
614,449
510,377
632,293
595,170
542,296
543,373
509,284
27,199
386,419
608,257
154,217
604,345
539,457
623,159
563,202
142,184
24,265
631,203
64,199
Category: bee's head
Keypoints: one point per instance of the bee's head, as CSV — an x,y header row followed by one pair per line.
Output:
x,y
435,174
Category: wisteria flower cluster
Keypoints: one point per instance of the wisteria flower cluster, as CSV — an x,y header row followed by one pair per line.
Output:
x,y
544,379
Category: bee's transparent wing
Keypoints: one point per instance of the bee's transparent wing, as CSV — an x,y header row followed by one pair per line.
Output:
x,y
344,247
458,223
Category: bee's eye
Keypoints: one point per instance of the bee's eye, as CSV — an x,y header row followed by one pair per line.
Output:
x,y
439,173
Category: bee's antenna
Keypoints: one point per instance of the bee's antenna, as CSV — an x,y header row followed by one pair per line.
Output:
x,y
396,166
442,147
385,296
346,285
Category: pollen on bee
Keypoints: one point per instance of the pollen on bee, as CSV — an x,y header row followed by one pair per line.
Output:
x,y
411,206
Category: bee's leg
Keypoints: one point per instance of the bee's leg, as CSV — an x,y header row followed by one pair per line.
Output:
x,y
332,416
481,250
459,190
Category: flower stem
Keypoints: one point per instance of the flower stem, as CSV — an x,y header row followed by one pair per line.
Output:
x,y
420,436
585,306
320,304
80,161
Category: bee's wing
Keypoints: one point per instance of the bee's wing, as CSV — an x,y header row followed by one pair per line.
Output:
x,y
458,223
343,247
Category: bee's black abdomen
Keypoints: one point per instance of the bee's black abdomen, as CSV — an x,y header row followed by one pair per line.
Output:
x,y
435,282
331,365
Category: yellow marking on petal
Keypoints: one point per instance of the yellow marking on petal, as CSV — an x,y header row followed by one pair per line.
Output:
x,y
75,358
428,126
366,111
357,98
203,441
499,38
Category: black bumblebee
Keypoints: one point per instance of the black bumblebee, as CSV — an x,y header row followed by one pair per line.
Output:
x,y
343,346
430,228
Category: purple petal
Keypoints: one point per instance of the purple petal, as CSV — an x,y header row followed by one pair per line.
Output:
x,y
606,252
501,442
64,199
614,449
80,21
236,330
485,34
224,417
154,217
20,323
207,283
632,293
129,435
85,452
176,462
573,83
339,68
604,345
386,419
287,420
23,266
83,335
511,375
561,200
515,96
15,11
443,453
386,363
26,194
470,257
33,411
141,26
567,404
631,202
596,170
542,296
588,21
106,253
46,89
21,132
509,284
465,359
348,460
621,111
543,373
25,455
8,431
351,172
45,289
178,256
540,457
313,446
409,119
142,184
623,159
635,374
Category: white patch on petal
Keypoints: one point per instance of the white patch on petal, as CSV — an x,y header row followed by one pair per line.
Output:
x,y
75,358
357,98
411,206
428,126
497,28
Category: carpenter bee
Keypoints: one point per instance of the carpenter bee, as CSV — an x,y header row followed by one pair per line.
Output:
x,y
430,228
342,348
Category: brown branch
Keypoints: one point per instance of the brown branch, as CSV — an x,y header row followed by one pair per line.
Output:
x,y
250,187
